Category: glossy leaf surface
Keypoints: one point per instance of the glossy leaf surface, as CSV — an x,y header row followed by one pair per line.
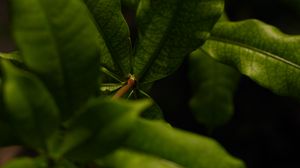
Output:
x,y
30,107
213,85
58,40
168,31
186,149
259,51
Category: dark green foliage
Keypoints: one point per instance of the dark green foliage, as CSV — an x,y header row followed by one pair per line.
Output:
x,y
100,128
213,85
73,55
30,107
60,48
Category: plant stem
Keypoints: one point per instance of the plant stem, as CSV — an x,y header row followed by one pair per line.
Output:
x,y
130,84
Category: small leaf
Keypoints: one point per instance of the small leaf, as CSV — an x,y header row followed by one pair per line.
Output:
x,y
130,159
115,42
168,31
213,86
31,109
186,149
259,51
58,41
100,129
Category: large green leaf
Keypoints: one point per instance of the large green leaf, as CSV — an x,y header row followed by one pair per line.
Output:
x,y
186,149
130,159
213,85
26,162
58,40
101,128
260,51
168,31
115,44
31,109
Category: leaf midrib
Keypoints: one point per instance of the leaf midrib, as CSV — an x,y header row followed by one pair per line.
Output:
x,y
106,41
60,59
156,54
243,45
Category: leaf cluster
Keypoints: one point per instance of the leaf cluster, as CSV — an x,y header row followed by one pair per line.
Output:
x,y
77,90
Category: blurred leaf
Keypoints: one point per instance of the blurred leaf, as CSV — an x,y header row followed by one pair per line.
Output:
x,y
131,3
168,31
13,56
65,164
58,41
31,109
186,149
259,51
1,94
213,86
154,112
115,42
26,163
100,129
130,159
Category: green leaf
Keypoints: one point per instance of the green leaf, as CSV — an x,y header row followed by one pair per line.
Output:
x,y
26,162
154,112
31,109
259,51
100,129
124,158
213,85
170,30
65,164
13,56
115,42
186,149
58,41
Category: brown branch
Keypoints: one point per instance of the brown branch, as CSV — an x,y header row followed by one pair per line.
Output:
x,y
130,84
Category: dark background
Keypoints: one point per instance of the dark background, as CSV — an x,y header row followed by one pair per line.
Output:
x,y
264,130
